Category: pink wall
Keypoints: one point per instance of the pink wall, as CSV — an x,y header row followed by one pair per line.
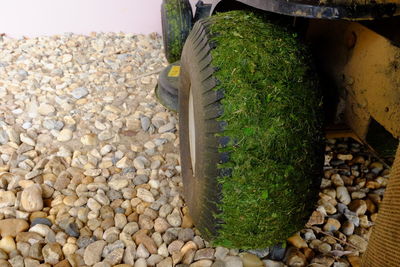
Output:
x,y
45,17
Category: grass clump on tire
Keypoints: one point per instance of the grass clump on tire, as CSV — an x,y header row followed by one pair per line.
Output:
x,y
257,129
176,19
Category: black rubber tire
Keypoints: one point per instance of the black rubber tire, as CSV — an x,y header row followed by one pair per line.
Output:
x,y
202,191
177,21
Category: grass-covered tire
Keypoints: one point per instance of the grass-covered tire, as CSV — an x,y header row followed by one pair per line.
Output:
x,y
177,21
250,130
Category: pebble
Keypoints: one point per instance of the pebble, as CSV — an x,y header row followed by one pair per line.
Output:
x,y
52,253
64,135
7,199
343,195
7,244
31,198
251,260
145,195
297,241
92,254
79,92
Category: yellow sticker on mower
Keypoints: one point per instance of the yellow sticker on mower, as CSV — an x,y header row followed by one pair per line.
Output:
x,y
174,71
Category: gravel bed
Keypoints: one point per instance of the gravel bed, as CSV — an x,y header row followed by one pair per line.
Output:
x,y
90,174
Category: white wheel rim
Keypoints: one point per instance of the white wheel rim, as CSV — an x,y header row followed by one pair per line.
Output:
x,y
192,132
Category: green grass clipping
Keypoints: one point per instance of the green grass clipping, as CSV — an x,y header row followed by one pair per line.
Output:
x,y
272,109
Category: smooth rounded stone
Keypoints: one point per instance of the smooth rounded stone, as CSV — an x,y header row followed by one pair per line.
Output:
x,y
93,204
174,219
202,263
31,198
40,220
64,135
118,184
175,246
123,163
111,234
35,251
69,249
358,195
102,264
317,217
46,109
105,135
89,140
138,163
295,258
204,254
337,180
140,179
277,252
271,263
11,227
161,225
148,242
7,244
145,222
163,250
110,247
115,256
53,124
154,259
52,253
165,210
93,173
343,195
169,127
102,198
84,241
309,235
41,229
120,221
358,242
324,248
72,229
93,251
358,206
7,199
251,260
331,225
145,123
142,252
186,234
145,195
79,92
221,253
113,195
297,241
131,228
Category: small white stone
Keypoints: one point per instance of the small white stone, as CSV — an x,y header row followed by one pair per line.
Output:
x,y
66,58
26,139
46,109
64,135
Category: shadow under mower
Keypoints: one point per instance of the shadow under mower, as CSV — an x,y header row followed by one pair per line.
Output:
x,y
259,83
